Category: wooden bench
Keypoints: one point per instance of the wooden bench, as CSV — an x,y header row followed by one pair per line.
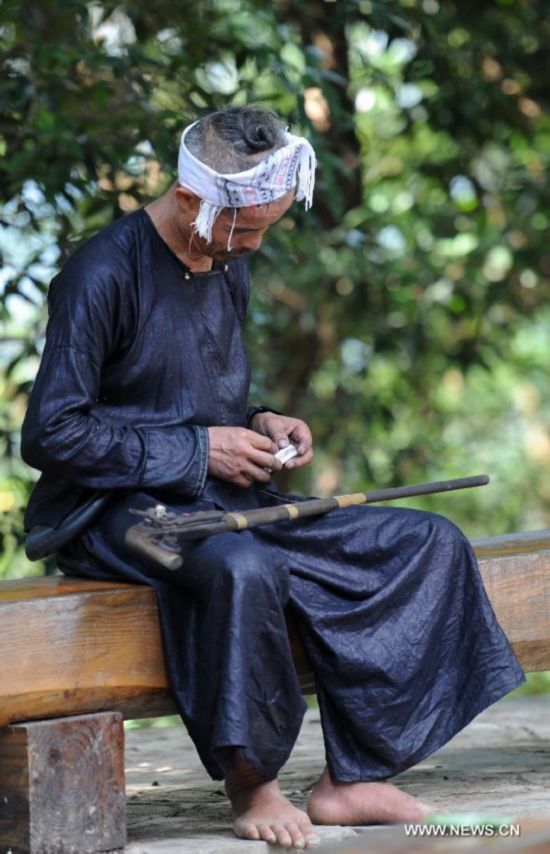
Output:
x,y
79,656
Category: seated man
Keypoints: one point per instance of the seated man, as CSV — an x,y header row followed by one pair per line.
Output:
x,y
143,392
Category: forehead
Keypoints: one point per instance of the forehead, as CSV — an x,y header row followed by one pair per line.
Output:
x,y
259,216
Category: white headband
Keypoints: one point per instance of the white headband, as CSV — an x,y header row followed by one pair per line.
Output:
x,y
292,165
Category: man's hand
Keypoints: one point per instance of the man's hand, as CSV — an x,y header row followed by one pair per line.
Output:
x,y
241,456
283,431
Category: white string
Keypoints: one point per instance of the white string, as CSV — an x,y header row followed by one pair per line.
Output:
x,y
229,247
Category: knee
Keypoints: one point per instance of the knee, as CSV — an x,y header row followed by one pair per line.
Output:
x,y
247,566
440,533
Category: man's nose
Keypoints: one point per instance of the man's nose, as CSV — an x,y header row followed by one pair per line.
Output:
x,y
253,242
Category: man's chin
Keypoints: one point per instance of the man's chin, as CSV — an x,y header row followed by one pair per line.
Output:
x,y
227,256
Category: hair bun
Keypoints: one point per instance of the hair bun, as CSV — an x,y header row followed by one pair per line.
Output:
x,y
225,140
260,129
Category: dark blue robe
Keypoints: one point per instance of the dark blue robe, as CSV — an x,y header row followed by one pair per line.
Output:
x,y
405,648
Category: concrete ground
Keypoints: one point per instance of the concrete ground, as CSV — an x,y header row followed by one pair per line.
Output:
x,y
498,766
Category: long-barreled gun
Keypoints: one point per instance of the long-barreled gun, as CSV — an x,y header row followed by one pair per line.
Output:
x,y
160,531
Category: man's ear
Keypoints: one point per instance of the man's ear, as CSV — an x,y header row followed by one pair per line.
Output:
x,y
188,203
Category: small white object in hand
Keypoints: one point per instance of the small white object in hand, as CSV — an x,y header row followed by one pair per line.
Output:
x,y
286,454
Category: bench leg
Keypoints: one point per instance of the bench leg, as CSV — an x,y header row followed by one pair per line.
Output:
x,y
62,785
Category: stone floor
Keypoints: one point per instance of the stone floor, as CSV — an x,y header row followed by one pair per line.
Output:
x,y
498,766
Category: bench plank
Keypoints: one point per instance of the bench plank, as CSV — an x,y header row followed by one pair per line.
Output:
x,y
518,586
81,646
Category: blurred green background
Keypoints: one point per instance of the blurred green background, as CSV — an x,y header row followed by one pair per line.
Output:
x,y
405,317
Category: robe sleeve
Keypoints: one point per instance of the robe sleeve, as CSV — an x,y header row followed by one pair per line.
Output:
x,y
66,433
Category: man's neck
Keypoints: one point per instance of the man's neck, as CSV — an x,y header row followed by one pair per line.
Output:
x,y
164,215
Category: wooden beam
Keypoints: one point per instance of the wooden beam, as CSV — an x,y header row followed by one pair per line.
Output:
x,y
79,646
62,785
516,573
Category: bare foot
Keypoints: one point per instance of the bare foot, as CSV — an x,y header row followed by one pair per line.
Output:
x,y
261,811
362,803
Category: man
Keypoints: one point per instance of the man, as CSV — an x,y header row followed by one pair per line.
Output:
x,y
142,392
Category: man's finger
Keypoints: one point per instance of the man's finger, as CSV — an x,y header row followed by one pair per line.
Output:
x,y
301,437
300,460
256,473
276,429
263,443
281,440
264,460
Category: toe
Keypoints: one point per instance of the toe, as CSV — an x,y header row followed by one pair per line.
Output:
x,y
312,840
283,836
296,835
266,833
247,831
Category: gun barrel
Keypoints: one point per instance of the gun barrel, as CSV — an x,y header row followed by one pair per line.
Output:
x,y
317,506
142,539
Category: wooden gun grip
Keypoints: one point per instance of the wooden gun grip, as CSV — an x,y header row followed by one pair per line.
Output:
x,y
137,540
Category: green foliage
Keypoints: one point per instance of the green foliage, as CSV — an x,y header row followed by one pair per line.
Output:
x,y
537,683
404,317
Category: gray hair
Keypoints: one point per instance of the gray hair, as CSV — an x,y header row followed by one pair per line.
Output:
x,y
233,140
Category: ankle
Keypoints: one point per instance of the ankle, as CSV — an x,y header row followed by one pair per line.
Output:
x,y
242,776
325,782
